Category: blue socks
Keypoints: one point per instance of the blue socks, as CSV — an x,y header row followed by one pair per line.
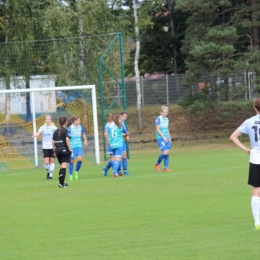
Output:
x,y
71,168
78,165
166,161
109,165
115,165
124,163
160,159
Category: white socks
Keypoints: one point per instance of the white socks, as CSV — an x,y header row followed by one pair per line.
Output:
x,y
51,169
46,166
255,205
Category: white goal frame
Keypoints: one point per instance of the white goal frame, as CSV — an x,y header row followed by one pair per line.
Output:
x,y
94,107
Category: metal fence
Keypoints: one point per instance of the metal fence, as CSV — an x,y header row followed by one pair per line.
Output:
x,y
168,89
159,89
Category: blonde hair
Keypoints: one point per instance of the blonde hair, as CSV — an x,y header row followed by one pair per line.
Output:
x,y
48,115
110,118
164,108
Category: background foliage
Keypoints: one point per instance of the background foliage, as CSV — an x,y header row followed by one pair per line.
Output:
x,y
202,39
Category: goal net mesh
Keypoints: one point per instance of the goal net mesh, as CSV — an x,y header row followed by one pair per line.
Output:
x,y
16,142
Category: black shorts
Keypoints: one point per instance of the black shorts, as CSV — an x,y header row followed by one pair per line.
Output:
x,y
63,155
254,175
48,153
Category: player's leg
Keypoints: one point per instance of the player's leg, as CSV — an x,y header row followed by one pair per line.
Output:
x,y
71,166
254,181
255,206
51,162
166,161
63,159
116,163
79,162
125,160
161,145
52,166
46,162
109,163
166,152
61,171
125,163
62,175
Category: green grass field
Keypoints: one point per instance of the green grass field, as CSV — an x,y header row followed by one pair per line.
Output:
x,y
199,211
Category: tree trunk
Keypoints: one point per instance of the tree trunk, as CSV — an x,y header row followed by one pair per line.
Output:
x,y
81,42
28,101
137,73
254,26
170,4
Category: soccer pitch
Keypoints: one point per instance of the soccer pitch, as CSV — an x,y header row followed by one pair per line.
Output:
x,y
201,210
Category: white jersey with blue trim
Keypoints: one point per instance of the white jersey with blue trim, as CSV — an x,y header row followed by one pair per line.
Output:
x,y
47,134
251,127
163,122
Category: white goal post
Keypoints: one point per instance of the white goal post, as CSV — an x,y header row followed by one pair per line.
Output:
x,y
34,102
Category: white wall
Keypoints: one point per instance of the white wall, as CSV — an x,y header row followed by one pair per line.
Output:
x,y
44,101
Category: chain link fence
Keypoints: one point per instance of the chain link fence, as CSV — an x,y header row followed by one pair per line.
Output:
x,y
168,89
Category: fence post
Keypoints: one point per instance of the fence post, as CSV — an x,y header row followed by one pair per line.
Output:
x,y
36,163
246,96
167,88
119,96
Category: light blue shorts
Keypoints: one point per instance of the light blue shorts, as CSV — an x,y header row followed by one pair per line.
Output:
x,y
76,152
117,152
164,146
109,150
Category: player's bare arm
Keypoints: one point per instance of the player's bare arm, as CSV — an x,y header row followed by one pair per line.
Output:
x,y
106,136
161,134
85,139
68,143
234,138
36,135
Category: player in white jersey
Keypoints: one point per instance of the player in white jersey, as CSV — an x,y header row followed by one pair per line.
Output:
x,y
163,138
47,131
251,127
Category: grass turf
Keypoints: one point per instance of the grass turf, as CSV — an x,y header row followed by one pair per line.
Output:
x,y
199,211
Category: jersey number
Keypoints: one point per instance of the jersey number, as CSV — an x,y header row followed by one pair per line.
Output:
x,y
114,134
256,134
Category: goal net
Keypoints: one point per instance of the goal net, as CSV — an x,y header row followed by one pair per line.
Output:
x,y
22,112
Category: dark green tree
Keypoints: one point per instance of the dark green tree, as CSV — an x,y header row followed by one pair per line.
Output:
x,y
161,38
220,38
22,22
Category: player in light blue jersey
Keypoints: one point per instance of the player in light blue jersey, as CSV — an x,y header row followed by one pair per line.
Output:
x,y
114,138
47,131
122,118
109,151
163,138
76,132
251,127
